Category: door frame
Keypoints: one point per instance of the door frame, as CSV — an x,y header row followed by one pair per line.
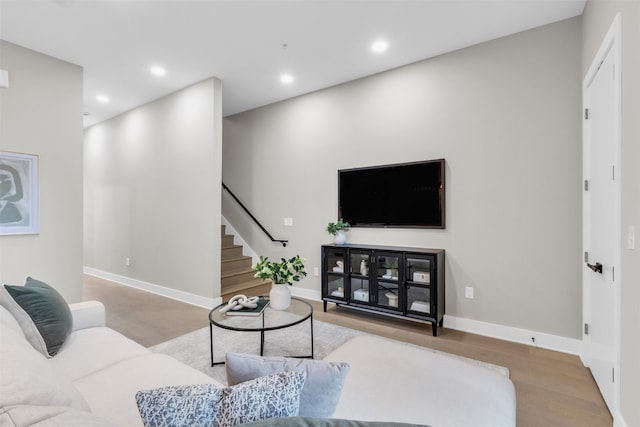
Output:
x,y
612,42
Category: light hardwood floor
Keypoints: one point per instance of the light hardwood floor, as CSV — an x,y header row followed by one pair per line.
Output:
x,y
552,388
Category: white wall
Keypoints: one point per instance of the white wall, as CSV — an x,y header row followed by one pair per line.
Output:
x,y
41,113
505,116
152,192
597,19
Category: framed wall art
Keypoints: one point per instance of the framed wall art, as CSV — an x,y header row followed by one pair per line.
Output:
x,y
19,211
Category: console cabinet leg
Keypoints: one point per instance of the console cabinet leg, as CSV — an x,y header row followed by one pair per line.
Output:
x,y
434,328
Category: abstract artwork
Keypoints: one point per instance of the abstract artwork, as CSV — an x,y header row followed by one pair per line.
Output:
x,y
18,193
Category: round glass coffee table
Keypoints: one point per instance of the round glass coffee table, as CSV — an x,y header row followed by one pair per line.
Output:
x,y
268,320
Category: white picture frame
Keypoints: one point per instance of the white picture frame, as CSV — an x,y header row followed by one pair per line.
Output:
x,y
19,209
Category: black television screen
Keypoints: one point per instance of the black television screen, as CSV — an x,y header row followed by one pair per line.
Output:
x,y
400,195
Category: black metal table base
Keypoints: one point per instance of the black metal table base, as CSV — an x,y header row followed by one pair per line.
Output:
x,y
261,342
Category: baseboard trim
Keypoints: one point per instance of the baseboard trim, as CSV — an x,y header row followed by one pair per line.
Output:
x,y
521,336
618,420
175,294
507,333
306,293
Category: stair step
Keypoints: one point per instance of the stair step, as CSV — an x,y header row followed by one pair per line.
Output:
x,y
227,240
233,277
236,263
255,287
234,251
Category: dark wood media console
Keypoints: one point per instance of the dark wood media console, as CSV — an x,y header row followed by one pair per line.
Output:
x,y
401,282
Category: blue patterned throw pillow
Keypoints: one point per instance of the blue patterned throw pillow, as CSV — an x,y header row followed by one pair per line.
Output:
x,y
272,396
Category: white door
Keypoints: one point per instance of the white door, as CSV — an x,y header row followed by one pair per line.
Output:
x,y
601,220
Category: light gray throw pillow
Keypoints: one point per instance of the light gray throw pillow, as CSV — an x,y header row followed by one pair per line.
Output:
x,y
321,391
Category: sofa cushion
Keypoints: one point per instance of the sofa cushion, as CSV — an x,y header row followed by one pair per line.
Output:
x,y
111,391
42,313
27,379
49,416
322,388
89,350
435,388
273,396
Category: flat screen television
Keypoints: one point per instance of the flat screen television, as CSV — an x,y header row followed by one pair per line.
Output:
x,y
410,195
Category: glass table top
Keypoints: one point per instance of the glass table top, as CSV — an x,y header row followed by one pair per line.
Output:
x,y
270,319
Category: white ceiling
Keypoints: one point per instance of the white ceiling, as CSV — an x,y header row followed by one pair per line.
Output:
x,y
243,42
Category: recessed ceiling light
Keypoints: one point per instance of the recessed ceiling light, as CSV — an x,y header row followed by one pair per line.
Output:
x,y
158,71
286,79
379,46
102,98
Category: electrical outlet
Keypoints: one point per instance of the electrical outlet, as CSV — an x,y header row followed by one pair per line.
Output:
x,y
288,222
127,262
468,292
631,237
316,271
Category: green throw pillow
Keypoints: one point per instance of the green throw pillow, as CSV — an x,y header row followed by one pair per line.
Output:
x,y
43,314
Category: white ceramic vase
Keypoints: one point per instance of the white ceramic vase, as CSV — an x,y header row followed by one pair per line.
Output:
x,y
280,296
341,238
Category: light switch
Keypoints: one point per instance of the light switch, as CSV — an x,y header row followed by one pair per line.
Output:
x,y
288,222
631,237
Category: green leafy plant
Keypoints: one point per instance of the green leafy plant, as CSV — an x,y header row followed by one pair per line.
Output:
x,y
284,271
388,265
334,227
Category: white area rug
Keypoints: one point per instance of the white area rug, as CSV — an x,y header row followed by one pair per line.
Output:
x,y
193,348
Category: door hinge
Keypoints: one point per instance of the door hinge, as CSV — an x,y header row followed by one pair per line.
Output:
x,y
613,274
613,172
586,185
586,329
586,114
613,375
586,256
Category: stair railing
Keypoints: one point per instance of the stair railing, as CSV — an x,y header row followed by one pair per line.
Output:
x,y
284,242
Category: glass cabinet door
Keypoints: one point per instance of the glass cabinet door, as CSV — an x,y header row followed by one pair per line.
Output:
x,y
388,284
388,266
420,268
335,280
359,278
359,263
418,300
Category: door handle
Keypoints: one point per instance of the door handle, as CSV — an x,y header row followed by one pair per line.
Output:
x,y
597,267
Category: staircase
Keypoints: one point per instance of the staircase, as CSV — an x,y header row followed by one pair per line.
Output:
x,y
236,273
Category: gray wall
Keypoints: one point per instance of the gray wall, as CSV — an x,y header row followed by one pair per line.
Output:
x,y
597,19
505,116
42,114
152,192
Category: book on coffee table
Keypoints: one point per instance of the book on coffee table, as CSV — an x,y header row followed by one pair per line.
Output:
x,y
257,311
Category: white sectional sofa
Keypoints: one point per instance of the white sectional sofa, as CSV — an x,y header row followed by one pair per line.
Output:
x,y
93,379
